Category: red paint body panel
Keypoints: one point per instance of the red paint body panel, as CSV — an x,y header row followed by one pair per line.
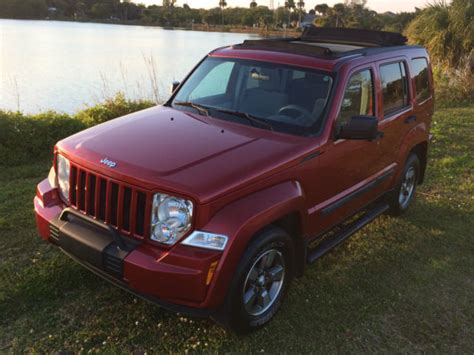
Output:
x,y
240,178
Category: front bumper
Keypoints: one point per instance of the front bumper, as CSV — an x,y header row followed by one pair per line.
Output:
x,y
176,278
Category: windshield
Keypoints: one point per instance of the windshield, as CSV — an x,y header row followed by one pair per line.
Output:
x,y
267,95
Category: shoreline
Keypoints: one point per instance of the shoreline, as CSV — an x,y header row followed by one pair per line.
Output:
x,y
265,32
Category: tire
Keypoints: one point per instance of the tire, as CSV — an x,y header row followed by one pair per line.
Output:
x,y
402,197
253,297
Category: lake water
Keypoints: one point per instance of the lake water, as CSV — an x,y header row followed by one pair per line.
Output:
x,y
65,65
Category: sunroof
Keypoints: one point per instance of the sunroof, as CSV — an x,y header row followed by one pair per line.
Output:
x,y
333,47
288,45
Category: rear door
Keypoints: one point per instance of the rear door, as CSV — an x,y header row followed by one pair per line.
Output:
x,y
422,89
395,113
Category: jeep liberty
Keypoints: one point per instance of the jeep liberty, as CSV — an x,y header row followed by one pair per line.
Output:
x,y
268,155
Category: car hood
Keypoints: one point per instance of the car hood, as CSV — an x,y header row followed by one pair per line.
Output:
x,y
197,156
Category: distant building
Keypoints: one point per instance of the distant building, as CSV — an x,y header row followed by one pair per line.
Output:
x,y
389,13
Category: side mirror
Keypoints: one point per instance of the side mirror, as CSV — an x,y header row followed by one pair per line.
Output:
x,y
174,86
360,128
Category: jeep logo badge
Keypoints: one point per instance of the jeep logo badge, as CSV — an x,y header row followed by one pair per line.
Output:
x,y
109,163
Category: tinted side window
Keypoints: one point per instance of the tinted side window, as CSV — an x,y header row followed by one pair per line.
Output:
x,y
394,85
422,82
358,97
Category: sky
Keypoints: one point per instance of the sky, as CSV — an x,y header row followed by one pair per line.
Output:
x,y
377,5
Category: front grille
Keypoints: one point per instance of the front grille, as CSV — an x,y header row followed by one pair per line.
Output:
x,y
115,203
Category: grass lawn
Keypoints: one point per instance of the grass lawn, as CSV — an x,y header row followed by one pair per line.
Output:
x,y
399,285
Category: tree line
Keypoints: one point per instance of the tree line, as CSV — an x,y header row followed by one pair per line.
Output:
x,y
446,29
351,13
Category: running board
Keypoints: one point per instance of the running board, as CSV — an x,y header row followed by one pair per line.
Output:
x,y
327,245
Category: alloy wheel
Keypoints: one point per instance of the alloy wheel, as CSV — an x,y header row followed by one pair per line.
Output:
x,y
264,282
407,188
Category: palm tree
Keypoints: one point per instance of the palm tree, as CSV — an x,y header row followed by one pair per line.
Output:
x,y
289,5
169,3
222,5
339,11
322,9
253,4
300,8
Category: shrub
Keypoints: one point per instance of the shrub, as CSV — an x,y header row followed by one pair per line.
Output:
x,y
110,109
454,86
24,138
27,137
446,30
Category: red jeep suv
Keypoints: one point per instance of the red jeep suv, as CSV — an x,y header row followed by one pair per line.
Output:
x,y
269,154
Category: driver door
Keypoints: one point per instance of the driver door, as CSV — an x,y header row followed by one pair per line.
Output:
x,y
347,165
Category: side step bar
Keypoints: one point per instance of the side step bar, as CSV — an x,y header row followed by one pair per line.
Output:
x,y
346,232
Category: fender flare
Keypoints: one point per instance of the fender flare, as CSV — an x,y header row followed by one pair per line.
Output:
x,y
417,135
241,220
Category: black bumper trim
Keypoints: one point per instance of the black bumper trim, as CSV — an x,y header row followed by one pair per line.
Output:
x,y
92,241
172,307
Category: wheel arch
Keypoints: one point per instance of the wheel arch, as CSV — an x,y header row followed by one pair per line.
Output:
x,y
421,150
281,205
292,223
416,141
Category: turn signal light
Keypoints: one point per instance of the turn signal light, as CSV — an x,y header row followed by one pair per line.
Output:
x,y
211,271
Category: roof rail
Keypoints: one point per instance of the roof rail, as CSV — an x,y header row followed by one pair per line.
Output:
x,y
352,36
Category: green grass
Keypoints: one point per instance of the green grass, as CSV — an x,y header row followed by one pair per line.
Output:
x,y
399,285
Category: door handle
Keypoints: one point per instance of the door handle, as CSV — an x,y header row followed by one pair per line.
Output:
x,y
410,119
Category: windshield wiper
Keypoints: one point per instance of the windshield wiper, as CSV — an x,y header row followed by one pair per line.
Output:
x,y
202,109
254,120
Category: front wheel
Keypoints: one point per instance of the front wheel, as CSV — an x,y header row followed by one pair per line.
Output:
x,y
260,283
401,199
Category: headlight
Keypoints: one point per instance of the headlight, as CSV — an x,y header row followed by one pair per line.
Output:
x,y
62,173
171,218
206,240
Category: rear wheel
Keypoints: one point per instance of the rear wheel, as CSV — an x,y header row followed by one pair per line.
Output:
x,y
260,283
401,199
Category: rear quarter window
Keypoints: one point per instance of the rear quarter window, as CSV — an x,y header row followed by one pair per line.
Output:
x,y
394,87
421,77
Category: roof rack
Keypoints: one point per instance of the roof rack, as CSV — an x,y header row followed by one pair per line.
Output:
x,y
351,36
315,38
288,45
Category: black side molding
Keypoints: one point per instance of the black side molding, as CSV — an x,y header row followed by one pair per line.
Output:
x,y
410,119
357,193
311,156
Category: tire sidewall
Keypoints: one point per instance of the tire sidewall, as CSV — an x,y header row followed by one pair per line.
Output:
x,y
237,317
397,208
